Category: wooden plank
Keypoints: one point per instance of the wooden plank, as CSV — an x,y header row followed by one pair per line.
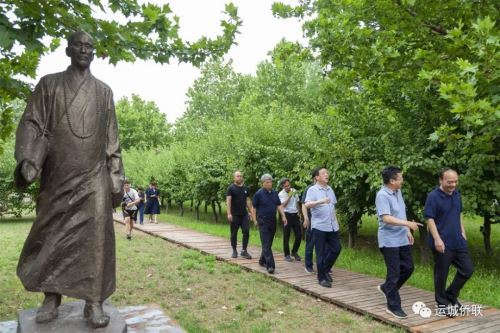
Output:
x,y
353,291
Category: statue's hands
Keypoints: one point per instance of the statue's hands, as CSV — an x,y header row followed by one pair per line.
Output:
x,y
29,171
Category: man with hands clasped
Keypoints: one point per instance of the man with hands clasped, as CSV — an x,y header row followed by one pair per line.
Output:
x,y
394,238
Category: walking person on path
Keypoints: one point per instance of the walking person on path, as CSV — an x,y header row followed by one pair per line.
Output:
x,y
306,213
394,238
448,241
239,208
152,202
129,207
265,202
289,198
321,200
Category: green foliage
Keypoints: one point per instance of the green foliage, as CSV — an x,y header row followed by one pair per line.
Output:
x,y
141,124
146,31
410,83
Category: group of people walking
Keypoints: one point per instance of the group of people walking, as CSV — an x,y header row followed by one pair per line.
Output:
x,y
137,203
443,213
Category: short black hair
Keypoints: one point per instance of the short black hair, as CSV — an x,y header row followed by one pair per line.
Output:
x,y
315,172
283,181
390,172
444,170
126,182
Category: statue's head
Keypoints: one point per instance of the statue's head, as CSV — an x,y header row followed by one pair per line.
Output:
x,y
80,49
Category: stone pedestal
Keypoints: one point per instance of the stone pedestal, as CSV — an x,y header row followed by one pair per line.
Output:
x,y
70,320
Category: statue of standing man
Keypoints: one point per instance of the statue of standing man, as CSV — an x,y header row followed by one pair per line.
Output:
x,y
68,136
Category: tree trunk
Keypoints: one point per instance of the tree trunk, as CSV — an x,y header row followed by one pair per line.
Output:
x,y
169,203
423,235
486,231
220,208
197,209
215,212
181,208
192,204
206,207
353,228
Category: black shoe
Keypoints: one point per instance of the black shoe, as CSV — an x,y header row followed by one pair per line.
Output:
x,y
325,283
270,270
458,306
379,288
296,257
309,270
235,254
129,237
245,254
329,277
397,313
288,258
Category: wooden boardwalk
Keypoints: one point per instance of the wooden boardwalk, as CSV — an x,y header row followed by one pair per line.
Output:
x,y
353,291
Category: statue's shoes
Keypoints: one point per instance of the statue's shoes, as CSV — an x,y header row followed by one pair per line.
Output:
x,y
95,314
48,311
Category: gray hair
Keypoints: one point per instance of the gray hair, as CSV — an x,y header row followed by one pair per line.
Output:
x,y
265,177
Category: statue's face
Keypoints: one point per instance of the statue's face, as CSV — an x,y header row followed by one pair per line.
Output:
x,y
81,51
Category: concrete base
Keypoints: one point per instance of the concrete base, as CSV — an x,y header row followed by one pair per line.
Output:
x,y
70,319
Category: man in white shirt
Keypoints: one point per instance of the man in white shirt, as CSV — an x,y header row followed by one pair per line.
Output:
x,y
129,208
289,198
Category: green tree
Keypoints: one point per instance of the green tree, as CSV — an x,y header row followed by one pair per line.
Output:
x,y
142,125
216,94
413,61
147,32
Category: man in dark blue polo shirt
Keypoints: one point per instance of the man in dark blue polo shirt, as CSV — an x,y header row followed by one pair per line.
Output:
x,y
265,201
306,213
447,239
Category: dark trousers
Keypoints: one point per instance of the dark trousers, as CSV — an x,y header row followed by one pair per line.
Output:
x,y
459,258
293,223
267,229
327,246
240,221
309,247
399,264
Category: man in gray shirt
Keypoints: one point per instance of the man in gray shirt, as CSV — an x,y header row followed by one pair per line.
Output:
x,y
325,228
394,238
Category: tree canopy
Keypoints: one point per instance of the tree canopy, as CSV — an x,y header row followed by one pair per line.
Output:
x,y
124,30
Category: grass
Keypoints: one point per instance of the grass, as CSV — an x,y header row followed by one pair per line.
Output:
x,y
366,258
201,293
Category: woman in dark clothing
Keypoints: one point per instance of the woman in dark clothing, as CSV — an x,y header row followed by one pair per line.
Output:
x,y
152,202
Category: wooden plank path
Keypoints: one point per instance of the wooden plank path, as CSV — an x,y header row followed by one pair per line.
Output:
x,y
354,291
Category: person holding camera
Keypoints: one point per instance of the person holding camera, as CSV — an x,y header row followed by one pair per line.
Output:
x,y
130,200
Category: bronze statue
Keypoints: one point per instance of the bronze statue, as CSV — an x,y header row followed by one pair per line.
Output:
x,y
68,136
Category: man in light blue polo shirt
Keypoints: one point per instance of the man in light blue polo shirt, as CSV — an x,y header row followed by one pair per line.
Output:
x,y
394,238
325,228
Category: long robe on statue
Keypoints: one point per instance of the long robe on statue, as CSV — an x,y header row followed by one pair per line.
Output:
x,y
70,249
